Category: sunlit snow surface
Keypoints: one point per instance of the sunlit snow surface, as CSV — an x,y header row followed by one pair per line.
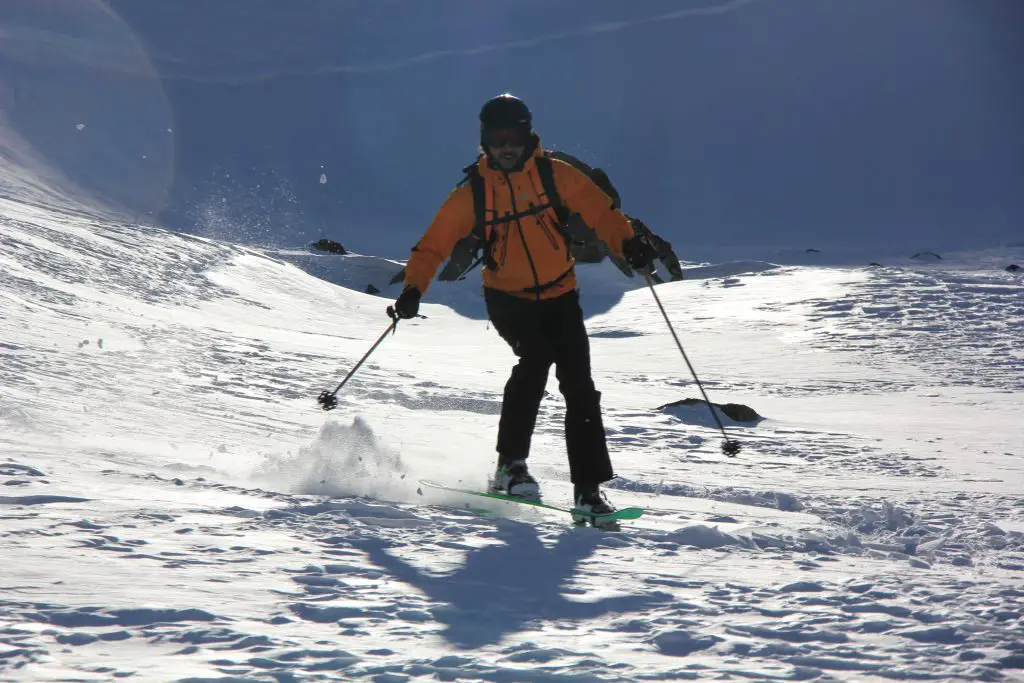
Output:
x,y
175,507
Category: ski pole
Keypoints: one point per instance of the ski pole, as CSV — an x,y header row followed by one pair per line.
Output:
x,y
729,446
328,400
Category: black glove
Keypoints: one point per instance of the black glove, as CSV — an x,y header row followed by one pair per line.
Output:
x,y
639,253
407,305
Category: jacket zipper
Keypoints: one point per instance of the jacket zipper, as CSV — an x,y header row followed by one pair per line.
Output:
x,y
522,237
543,220
504,241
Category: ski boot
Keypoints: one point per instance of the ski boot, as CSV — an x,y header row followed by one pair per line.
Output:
x,y
588,502
514,479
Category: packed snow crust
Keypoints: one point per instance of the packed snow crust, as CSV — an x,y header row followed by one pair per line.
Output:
x,y
175,506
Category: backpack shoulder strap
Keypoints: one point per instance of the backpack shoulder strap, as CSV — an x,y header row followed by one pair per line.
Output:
x,y
465,250
547,181
476,186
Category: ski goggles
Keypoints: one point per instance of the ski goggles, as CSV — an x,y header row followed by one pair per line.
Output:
x,y
514,137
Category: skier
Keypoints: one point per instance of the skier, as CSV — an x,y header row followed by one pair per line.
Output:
x,y
530,292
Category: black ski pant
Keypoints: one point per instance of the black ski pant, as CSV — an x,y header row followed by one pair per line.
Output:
x,y
542,333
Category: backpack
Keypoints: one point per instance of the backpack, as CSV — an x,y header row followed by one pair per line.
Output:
x,y
583,241
585,245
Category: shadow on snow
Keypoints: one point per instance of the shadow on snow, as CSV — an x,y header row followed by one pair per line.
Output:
x,y
504,586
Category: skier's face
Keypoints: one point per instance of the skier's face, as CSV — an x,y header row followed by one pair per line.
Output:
x,y
506,147
507,156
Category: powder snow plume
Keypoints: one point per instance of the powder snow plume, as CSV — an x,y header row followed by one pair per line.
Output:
x,y
343,460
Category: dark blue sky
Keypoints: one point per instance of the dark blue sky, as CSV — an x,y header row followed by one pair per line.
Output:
x,y
769,122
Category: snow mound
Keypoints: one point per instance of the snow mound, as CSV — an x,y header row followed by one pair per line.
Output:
x,y
727,269
702,536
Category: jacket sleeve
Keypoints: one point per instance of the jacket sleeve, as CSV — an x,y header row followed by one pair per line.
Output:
x,y
580,194
454,220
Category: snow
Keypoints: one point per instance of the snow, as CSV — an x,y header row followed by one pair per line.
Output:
x,y
177,507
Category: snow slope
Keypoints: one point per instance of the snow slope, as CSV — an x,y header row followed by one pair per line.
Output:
x,y
176,508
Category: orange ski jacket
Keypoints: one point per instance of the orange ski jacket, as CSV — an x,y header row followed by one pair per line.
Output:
x,y
529,257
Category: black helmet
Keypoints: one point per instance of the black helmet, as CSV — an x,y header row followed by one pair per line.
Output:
x,y
505,111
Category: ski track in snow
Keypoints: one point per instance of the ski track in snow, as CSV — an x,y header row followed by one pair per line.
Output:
x,y
174,507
